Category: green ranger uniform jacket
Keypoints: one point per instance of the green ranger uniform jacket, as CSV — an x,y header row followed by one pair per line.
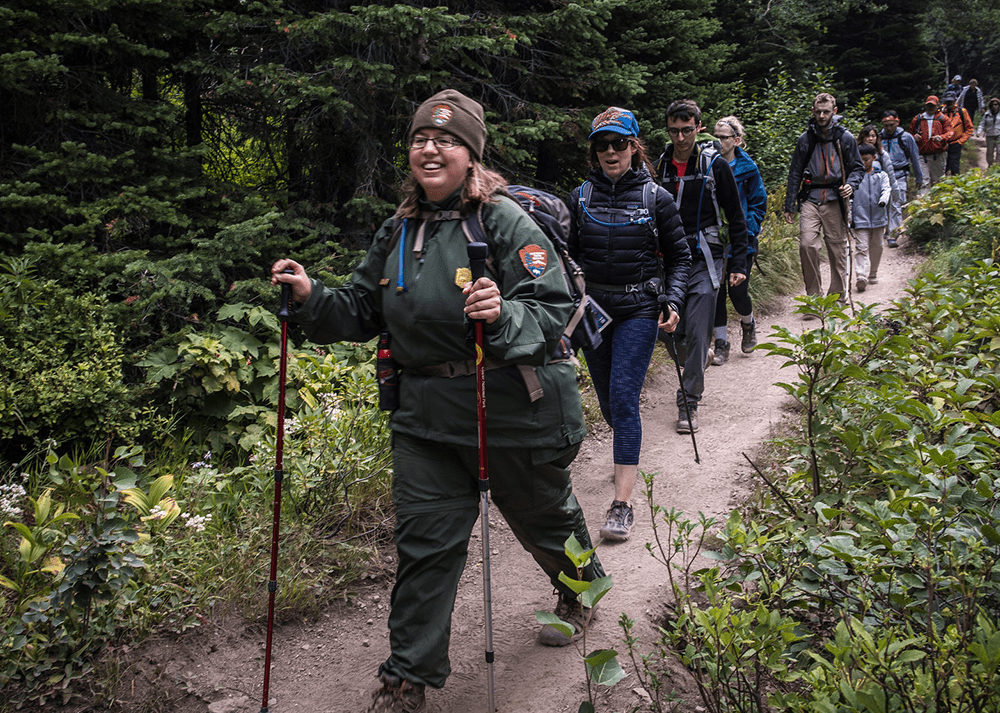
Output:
x,y
419,299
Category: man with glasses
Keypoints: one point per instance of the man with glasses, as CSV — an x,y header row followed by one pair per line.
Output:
x,y
903,151
826,169
703,186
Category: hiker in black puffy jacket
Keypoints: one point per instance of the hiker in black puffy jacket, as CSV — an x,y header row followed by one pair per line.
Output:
x,y
615,240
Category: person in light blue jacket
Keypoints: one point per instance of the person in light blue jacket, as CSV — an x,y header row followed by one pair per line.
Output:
x,y
870,218
904,154
730,133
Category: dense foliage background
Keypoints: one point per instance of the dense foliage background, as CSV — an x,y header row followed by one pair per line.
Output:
x,y
156,157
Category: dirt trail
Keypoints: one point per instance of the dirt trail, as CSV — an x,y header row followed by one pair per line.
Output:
x,y
328,665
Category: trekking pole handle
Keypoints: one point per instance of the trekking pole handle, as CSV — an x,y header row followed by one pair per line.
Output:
x,y
478,252
664,305
284,313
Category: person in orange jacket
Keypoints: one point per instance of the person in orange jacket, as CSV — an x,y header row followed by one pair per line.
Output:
x,y
932,131
961,124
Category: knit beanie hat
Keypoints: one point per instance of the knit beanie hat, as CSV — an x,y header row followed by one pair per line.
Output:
x,y
455,113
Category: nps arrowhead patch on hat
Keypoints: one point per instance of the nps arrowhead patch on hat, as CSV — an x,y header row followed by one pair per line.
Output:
x,y
441,114
534,258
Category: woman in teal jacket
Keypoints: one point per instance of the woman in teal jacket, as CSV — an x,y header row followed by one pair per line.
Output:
x,y
415,283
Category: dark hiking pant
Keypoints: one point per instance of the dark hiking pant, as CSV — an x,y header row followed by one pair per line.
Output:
x,y
436,492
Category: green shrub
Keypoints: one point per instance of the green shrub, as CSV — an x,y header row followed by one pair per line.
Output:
x,y
61,365
72,580
867,576
958,221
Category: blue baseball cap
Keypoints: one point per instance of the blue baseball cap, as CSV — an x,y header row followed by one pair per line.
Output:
x,y
615,120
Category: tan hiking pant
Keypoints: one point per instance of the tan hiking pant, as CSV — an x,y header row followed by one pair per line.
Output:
x,y
829,219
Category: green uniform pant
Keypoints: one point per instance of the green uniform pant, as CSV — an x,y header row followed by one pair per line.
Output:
x,y
437,499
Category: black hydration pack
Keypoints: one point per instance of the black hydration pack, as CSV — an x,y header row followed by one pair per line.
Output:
x,y
551,215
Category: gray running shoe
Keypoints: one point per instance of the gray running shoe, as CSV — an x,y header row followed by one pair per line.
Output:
x,y
749,336
571,612
721,352
397,696
619,522
683,425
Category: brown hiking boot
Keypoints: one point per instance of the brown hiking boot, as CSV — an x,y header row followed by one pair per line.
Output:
x,y
397,696
571,612
684,424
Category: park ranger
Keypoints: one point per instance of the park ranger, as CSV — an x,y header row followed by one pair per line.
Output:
x,y
415,284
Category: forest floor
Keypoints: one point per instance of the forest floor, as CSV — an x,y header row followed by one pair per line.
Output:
x,y
328,665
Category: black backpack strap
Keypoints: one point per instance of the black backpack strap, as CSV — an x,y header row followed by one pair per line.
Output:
x,y
474,232
649,202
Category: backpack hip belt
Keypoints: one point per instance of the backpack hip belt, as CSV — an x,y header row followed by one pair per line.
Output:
x,y
637,287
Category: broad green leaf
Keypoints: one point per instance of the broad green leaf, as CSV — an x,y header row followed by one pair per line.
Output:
x,y
574,550
576,585
608,672
598,588
550,619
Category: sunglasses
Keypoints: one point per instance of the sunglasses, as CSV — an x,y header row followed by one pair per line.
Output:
x,y
617,144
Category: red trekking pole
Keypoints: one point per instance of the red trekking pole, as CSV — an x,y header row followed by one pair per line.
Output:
x,y
272,584
477,264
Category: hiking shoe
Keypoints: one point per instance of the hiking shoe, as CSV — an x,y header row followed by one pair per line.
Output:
x,y
619,522
711,356
683,425
892,242
861,284
571,612
749,336
872,280
721,352
397,696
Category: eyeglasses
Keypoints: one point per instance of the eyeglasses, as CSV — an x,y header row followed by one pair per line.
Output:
x,y
617,144
686,131
444,143
722,137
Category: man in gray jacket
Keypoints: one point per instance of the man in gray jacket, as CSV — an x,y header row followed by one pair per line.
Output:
x,y
903,151
826,169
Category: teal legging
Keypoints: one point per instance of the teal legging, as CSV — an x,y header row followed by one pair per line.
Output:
x,y
437,501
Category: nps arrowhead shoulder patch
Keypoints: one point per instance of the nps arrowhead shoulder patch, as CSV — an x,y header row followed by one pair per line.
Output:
x,y
535,259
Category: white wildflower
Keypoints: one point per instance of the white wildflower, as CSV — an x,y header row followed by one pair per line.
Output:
x,y
197,522
11,497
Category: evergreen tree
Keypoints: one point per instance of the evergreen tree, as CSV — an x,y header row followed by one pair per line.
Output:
x,y
883,52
